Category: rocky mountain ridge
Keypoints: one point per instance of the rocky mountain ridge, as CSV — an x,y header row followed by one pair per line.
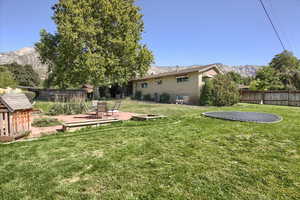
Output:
x,y
29,55
25,56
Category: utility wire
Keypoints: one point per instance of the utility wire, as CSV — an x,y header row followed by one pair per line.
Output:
x,y
281,28
274,28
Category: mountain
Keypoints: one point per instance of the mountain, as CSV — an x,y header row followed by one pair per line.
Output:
x,y
243,70
25,56
29,55
246,70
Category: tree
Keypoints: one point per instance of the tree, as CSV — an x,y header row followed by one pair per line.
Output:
x,y
236,77
24,75
207,98
6,78
287,67
225,91
97,41
283,72
267,78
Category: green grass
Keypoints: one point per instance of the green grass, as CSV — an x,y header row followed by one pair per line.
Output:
x,y
45,122
185,156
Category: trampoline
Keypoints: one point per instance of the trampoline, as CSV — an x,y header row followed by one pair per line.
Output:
x,y
245,116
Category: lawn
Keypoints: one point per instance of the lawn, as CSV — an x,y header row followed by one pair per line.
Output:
x,y
185,156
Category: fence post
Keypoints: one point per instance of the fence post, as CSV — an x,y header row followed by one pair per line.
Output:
x,y
288,97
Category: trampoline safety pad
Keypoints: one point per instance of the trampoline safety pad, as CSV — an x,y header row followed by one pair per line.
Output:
x,y
245,116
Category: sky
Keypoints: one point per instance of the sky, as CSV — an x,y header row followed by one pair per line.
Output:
x,y
232,32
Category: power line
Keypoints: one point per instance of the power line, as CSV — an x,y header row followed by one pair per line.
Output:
x,y
274,28
281,27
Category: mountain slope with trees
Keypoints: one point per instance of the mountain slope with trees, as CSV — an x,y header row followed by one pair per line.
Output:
x,y
30,56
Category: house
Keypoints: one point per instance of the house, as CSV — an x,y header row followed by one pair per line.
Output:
x,y
183,84
15,115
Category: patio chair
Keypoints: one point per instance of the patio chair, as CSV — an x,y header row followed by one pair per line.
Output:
x,y
115,108
102,109
93,107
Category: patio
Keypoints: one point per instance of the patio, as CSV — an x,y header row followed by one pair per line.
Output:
x,y
40,131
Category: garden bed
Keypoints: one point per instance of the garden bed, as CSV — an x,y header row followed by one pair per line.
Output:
x,y
144,117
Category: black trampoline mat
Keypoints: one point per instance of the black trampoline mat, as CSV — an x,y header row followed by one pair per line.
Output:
x,y
245,116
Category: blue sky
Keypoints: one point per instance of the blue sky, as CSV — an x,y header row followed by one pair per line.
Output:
x,y
232,32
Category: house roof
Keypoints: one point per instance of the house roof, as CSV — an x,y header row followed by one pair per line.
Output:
x,y
15,102
197,68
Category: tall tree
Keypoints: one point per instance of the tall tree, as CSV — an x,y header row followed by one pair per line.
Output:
x,y
97,41
267,78
283,72
287,67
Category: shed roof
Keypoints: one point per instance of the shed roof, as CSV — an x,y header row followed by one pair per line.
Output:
x,y
15,102
182,72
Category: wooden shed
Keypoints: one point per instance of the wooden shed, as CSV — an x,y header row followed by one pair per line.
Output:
x,y
15,115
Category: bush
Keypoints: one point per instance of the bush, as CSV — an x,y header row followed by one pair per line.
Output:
x,y
207,98
147,97
24,75
225,92
6,78
138,95
45,122
68,108
164,98
30,95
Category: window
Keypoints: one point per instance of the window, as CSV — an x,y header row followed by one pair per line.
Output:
x,y
159,82
182,79
144,85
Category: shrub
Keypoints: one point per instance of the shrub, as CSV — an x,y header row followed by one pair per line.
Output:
x,y
30,95
225,92
68,108
138,95
147,97
164,98
45,122
207,98
6,78
24,75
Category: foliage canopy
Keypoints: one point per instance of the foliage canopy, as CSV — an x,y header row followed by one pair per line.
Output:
x,y
283,72
206,98
97,41
6,78
237,78
24,75
220,91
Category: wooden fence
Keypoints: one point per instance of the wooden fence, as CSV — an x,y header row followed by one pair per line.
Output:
x,y
272,97
58,95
